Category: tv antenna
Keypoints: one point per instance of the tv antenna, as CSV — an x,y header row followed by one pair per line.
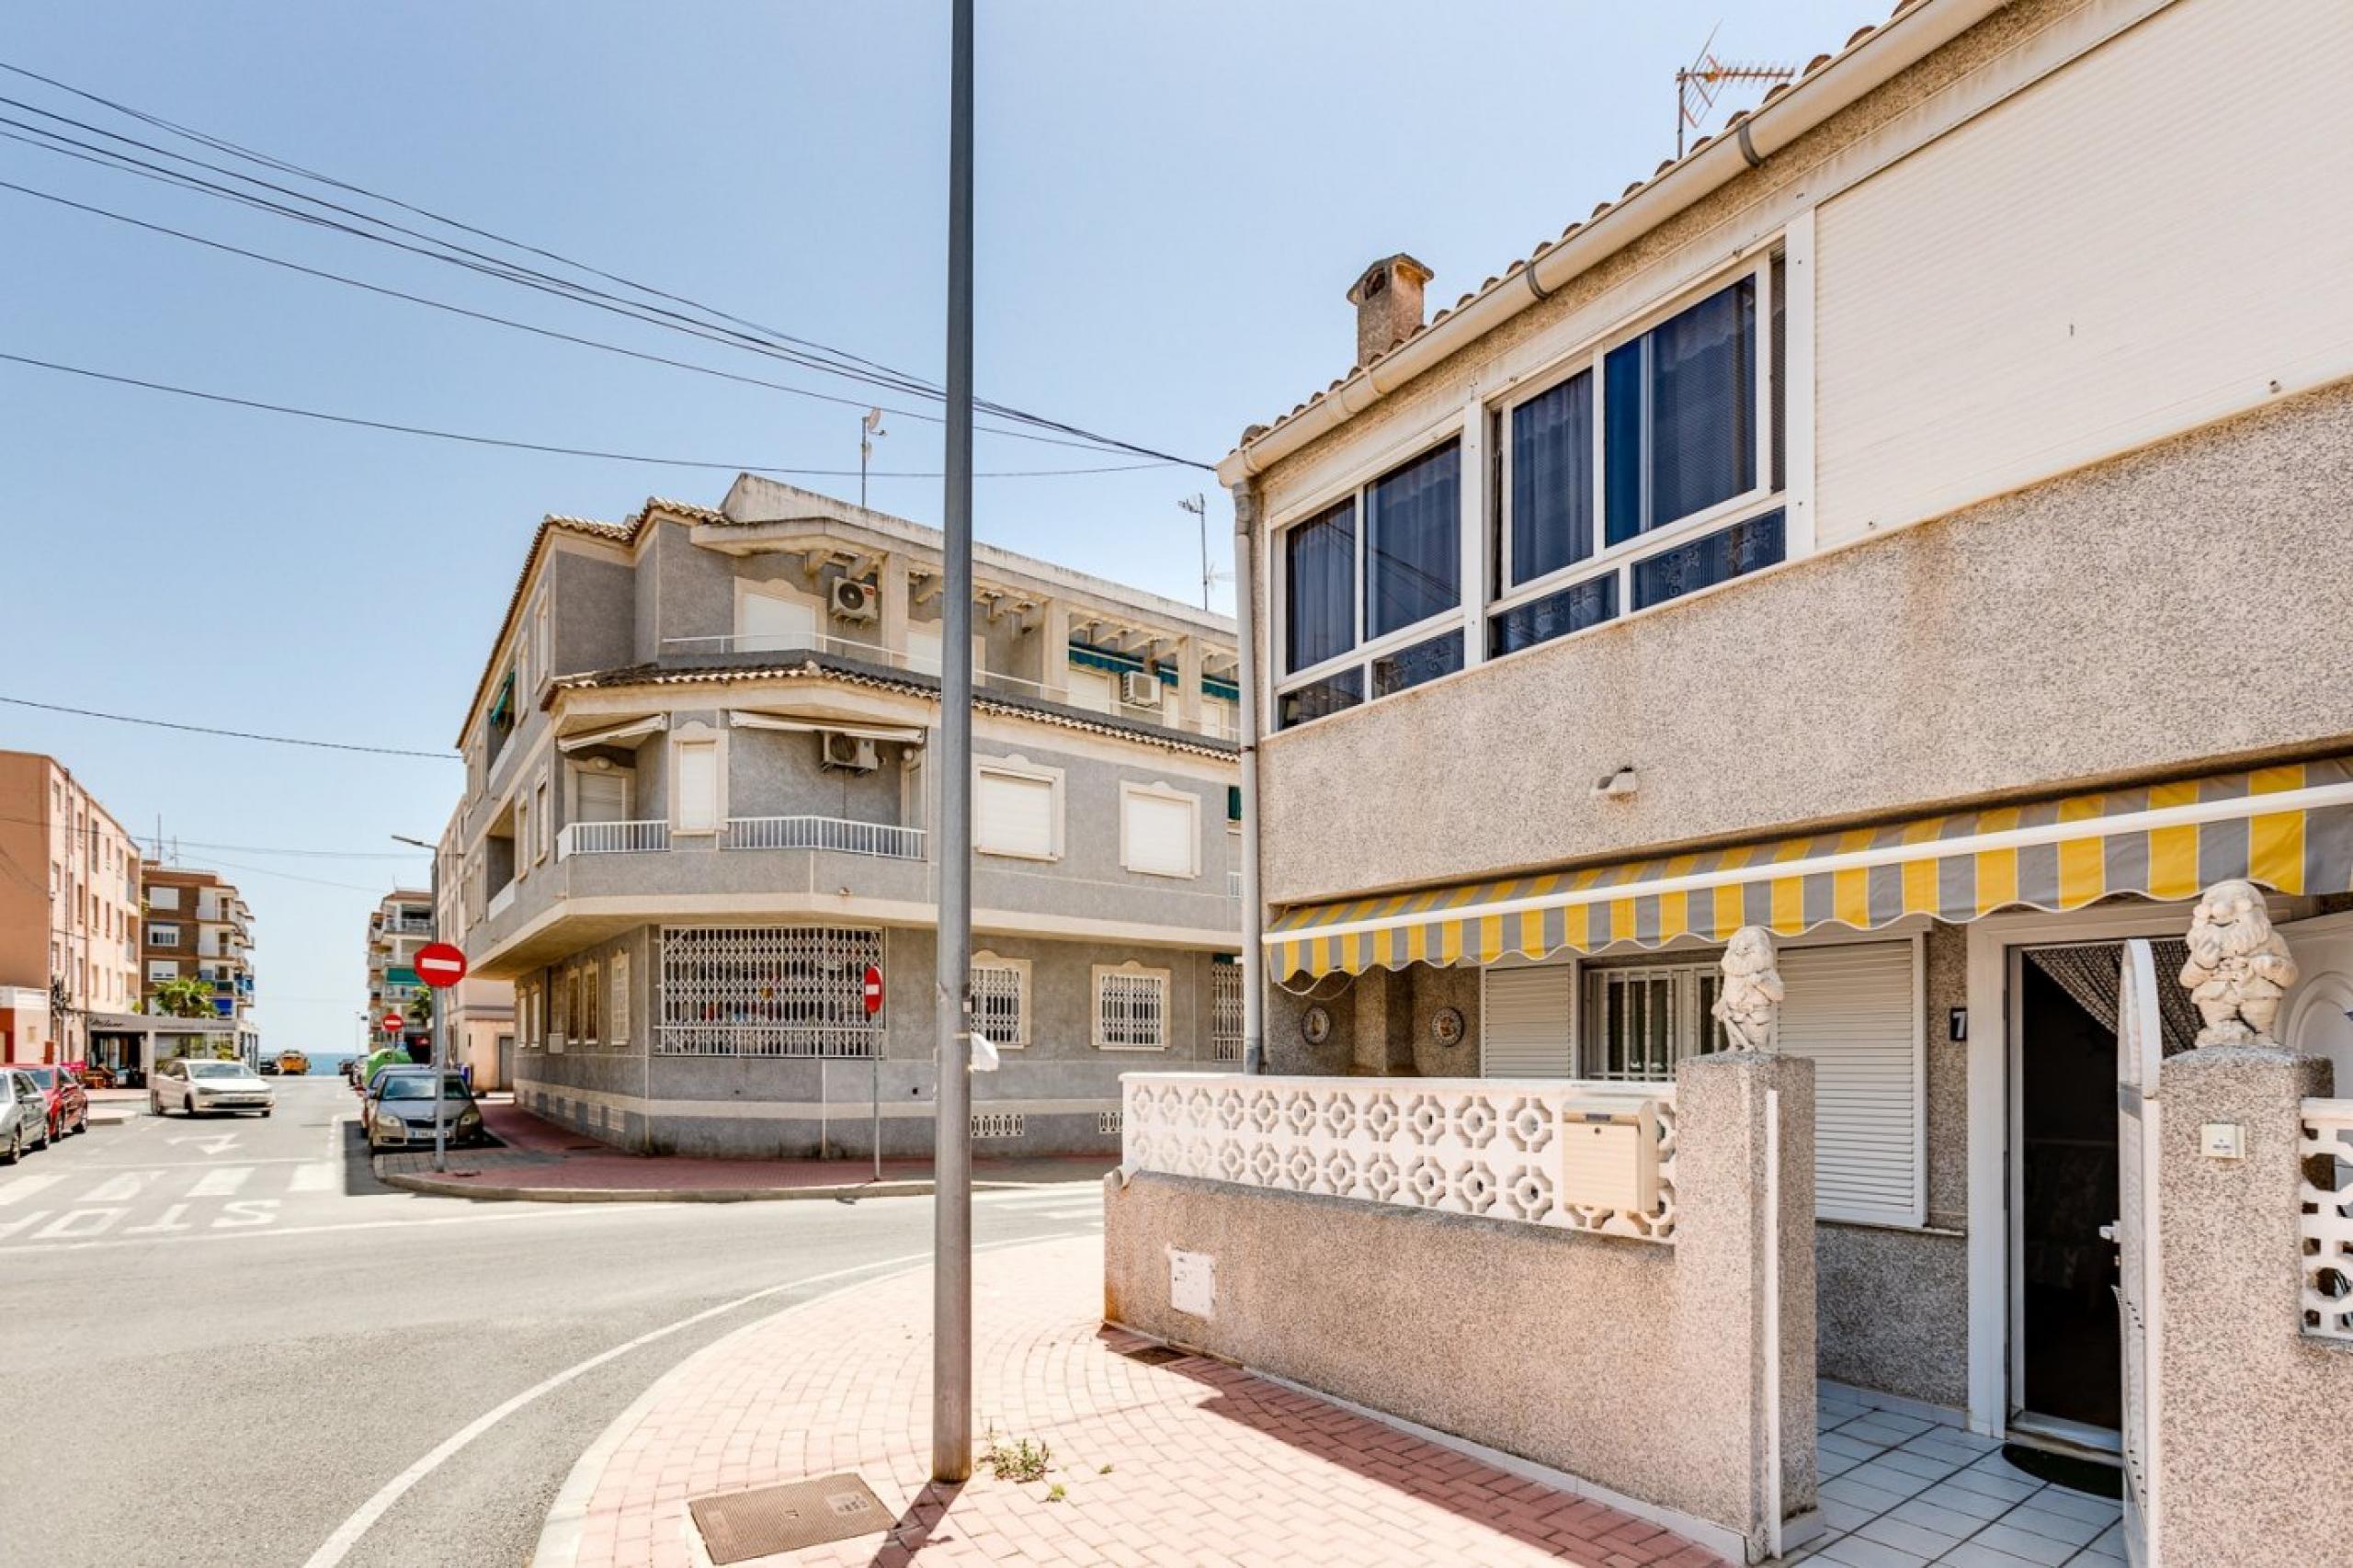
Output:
x,y
1698,85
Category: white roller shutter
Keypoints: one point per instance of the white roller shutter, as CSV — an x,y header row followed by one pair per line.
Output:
x,y
602,796
1157,832
698,784
766,624
1524,1022
1013,814
1854,1011
1092,690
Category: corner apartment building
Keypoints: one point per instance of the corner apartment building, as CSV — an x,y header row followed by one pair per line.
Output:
x,y
702,794
69,912
399,925
1920,521
198,926
479,1013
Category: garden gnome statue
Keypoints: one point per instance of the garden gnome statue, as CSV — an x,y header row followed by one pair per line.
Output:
x,y
2239,967
1749,1005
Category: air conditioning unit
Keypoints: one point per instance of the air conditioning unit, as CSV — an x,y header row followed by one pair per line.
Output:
x,y
854,600
1139,689
853,754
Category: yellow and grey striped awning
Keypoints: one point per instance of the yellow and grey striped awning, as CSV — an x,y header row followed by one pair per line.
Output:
x,y
2288,828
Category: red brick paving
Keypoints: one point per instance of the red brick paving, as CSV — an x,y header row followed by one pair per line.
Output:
x,y
1186,1463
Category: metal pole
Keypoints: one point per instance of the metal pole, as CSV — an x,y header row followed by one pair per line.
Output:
x,y
1253,952
951,1310
441,1029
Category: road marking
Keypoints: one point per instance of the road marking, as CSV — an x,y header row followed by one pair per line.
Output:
x,y
216,1143
68,1226
220,1181
115,1189
573,1212
23,1221
312,1178
348,1534
247,1212
170,1221
24,1187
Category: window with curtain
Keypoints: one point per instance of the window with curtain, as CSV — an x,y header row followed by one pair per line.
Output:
x,y
1679,402
1413,545
1319,587
1552,480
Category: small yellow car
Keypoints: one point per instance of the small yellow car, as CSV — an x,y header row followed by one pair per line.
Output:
x,y
291,1062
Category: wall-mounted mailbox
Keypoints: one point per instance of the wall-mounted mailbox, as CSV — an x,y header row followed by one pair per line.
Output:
x,y
1609,1155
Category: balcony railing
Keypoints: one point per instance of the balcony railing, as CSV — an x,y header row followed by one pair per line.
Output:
x,y
499,902
883,839
411,925
2326,1148
612,839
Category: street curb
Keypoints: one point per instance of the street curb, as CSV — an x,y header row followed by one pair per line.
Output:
x,y
565,1523
448,1186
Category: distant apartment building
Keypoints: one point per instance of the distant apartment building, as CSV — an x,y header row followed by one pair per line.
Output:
x,y
701,796
200,927
397,926
69,913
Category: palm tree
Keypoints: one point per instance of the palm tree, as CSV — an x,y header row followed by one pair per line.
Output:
x,y
184,997
420,1010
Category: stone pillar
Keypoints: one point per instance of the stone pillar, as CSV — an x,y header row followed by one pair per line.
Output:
x,y
2251,1410
1188,683
1054,650
890,596
1732,1230
1383,1018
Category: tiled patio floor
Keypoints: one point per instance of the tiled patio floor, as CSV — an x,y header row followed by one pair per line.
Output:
x,y
1899,1491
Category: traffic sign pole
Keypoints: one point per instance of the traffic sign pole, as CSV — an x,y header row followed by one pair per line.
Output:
x,y
440,965
873,994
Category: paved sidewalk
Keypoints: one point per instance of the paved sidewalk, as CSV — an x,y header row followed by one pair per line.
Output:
x,y
544,1163
1186,1461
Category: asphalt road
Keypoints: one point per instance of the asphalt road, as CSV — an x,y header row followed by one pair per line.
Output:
x,y
225,1337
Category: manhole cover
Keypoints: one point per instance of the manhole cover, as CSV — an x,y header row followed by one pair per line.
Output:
x,y
740,1525
1154,1355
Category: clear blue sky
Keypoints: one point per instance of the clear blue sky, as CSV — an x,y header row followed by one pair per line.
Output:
x,y
1172,199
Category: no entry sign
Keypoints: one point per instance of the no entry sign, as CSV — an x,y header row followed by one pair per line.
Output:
x,y
873,991
394,1023
440,964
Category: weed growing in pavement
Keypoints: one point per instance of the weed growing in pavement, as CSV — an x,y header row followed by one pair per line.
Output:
x,y
1022,1460
1055,1493
1104,1470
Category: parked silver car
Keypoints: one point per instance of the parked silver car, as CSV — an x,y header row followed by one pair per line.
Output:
x,y
400,1113
197,1086
24,1116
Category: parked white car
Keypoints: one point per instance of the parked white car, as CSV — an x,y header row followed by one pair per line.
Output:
x,y
197,1086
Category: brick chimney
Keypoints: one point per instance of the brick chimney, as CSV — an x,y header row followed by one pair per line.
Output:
x,y
1388,299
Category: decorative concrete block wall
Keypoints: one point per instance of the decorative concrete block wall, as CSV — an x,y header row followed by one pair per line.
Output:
x,y
2253,1411
1636,1365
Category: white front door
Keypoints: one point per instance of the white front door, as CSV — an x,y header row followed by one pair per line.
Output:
x,y
2140,1048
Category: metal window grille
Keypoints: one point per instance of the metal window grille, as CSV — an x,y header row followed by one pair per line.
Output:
x,y
997,1124
1641,1021
1000,1003
620,1019
1225,1012
768,991
1131,1010
1107,1122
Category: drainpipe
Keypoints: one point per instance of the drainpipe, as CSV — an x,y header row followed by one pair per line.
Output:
x,y
1254,953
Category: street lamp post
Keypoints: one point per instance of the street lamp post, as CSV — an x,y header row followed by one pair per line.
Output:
x,y
951,1310
440,1019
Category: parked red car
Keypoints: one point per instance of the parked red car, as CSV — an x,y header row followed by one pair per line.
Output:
x,y
69,1103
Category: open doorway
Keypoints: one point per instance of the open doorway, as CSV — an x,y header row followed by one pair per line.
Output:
x,y
2066,1379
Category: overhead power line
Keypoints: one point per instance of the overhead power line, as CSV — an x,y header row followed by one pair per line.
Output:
x,y
602,455
266,259
232,735
720,325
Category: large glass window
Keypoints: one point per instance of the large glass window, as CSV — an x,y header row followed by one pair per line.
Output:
x,y
1413,542
1552,480
1319,587
1679,420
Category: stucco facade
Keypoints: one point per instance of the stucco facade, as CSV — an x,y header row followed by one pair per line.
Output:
x,y
704,747
69,924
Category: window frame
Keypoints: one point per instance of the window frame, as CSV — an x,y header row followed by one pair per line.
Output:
x,y
155,934
1607,559
1019,969
617,1004
1022,768
1364,651
1130,969
1155,789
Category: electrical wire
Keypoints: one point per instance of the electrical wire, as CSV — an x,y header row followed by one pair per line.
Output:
x,y
601,454
237,849
232,735
802,350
